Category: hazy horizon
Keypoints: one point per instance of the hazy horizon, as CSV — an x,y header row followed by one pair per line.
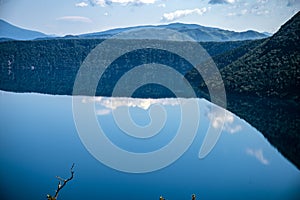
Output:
x,y
86,16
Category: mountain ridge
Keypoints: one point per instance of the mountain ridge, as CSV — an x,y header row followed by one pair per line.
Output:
x,y
197,32
10,31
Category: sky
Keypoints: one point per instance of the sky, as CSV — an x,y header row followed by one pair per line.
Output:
x,y
62,17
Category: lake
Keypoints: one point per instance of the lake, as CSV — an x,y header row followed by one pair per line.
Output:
x,y
40,140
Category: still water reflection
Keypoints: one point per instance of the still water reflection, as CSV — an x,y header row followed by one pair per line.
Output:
x,y
38,140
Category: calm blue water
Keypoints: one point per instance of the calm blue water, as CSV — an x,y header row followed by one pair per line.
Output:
x,y
39,140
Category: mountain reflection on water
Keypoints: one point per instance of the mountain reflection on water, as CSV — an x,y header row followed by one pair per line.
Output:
x,y
39,140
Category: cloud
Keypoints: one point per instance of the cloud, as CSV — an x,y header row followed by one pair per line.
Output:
x,y
258,154
262,12
162,5
101,3
81,4
262,1
244,12
231,14
104,3
103,112
182,13
75,19
217,118
221,1
104,105
255,10
113,103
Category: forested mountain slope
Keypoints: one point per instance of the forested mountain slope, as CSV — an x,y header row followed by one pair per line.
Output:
x,y
263,88
51,65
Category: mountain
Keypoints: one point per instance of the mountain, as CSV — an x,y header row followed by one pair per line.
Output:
x,y
10,31
262,87
272,68
262,81
267,33
197,32
52,64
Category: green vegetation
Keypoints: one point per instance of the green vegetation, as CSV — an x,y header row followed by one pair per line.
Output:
x,y
52,65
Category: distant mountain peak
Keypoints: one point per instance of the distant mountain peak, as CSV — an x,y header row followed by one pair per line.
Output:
x,y
195,31
10,31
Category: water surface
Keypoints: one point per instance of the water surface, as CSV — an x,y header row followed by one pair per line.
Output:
x,y
39,140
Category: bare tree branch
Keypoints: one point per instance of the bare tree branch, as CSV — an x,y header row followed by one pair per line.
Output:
x,y
61,183
193,197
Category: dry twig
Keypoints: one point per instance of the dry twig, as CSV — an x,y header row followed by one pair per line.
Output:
x,y
61,183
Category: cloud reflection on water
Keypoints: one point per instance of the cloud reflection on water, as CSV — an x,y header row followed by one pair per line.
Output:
x,y
105,105
217,118
258,154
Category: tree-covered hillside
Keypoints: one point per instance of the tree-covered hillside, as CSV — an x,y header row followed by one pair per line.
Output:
x,y
50,66
272,69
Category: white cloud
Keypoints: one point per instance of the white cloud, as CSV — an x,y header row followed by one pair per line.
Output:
x,y
182,13
97,2
75,19
258,154
113,103
222,1
262,12
262,1
259,10
105,105
134,1
103,112
162,5
231,14
233,129
218,119
244,11
255,10
104,3
81,4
